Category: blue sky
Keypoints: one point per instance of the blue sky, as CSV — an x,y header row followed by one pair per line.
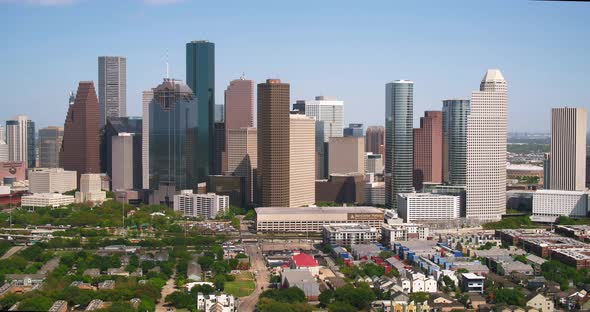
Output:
x,y
348,49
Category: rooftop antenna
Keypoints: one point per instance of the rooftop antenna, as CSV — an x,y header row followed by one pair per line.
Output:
x,y
243,76
167,66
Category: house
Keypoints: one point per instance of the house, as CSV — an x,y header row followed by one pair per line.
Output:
x,y
108,284
95,304
26,279
383,283
82,285
59,306
219,303
306,262
118,272
92,272
302,279
471,282
540,302
444,303
403,306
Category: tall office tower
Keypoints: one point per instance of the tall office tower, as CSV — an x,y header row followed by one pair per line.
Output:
x,y
330,112
375,139
486,149
80,149
321,151
354,129
399,152
301,154
123,166
242,157
455,114
20,137
50,139
112,87
146,99
428,148
568,149
346,155
200,77
131,128
2,133
219,164
173,148
3,151
273,143
219,113
546,171
239,107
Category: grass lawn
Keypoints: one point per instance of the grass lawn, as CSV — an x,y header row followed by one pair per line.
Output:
x,y
242,286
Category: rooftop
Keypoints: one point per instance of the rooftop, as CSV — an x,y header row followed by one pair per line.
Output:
x,y
472,276
304,260
315,210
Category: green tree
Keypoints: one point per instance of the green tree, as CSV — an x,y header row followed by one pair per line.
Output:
x,y
359,297
38,303
419,297
509,297
341,307
326,297
288,295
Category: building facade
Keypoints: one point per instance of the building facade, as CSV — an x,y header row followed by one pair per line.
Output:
x,y
346,235
486,149
426,206
242,157
354,129
273,143
239,109
330,111
455,114
375,139
341,188
568,149
301,155
173,156
200,77
346,155
555,203
80,149
90,189
50,139
208,206
53,200
51,180
399,154
146,99
373,163
131,128
428,149
20,137
123,166
112,87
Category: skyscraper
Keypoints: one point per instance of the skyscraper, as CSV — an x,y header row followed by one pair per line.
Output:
x,y
239,107
20,137
130,130
375,139
273,143
399,143
568,149
173,158
346,155
200,77
428,145
147,97
354,129
112,87
219,156
329,115
455,114
301,157
80,149
50,139
486,149
242,157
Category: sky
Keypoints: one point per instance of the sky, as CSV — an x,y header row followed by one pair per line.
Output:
x,y
347,49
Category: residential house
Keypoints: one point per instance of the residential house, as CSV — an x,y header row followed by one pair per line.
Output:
x,y
541,303
302,279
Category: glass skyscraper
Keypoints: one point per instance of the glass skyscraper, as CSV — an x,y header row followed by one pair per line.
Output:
x,y
200,77
455,114
399,146
173,157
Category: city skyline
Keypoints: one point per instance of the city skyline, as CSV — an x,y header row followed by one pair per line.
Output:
x,y
146,63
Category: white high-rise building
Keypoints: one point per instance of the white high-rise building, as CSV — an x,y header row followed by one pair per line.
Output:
x,y
330,111
17,138
147,98
427,206
112,87
301,161
51,180
486,149
568,149
207,206
548,205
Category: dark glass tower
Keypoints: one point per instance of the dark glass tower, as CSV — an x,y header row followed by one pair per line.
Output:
x,y
200,77
31,145
455,113
173,137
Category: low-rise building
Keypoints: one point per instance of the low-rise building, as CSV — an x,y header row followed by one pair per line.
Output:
x,y
91,189
346,235
540,302
375,193
548,205
217,303
365,251
59,306
312,219
303,280
471,282
95,304
392,233
53,200
305,262
207,206
82,285
108,284
576,257
51,180
428,206
26,279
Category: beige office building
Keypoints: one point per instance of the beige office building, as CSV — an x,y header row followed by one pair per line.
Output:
x,y
567,168
242,156
51,180
486,149
146,99
346,155
301,161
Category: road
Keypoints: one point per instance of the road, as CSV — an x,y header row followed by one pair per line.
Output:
x,y
166,290
261,275
12,251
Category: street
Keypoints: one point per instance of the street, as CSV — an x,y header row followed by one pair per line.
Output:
x,y
261,275
166,290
